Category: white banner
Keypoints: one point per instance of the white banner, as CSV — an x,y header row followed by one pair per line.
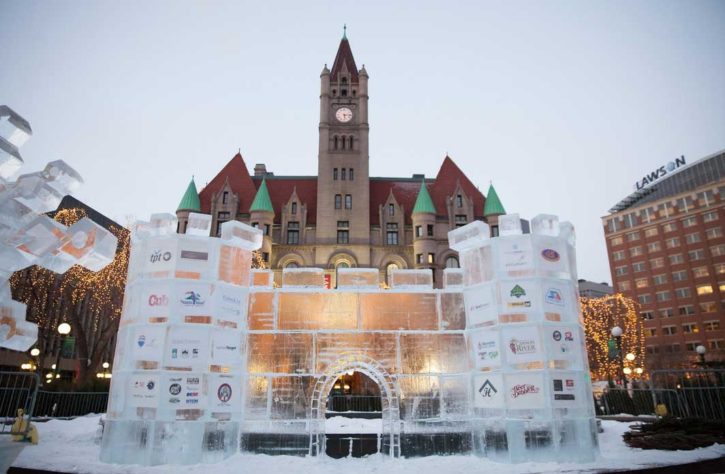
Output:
x,y
187,347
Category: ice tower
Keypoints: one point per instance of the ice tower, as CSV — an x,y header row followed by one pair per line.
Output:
x,y
531,391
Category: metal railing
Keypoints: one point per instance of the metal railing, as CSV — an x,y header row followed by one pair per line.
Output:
x,y
69,404
641,401
702,390
358,403
18,390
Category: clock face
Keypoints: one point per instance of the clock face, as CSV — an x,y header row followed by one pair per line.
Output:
x,y
343,114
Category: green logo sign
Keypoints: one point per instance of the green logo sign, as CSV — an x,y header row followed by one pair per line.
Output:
x,y
517,291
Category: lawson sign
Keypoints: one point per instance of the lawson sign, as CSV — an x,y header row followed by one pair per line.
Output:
x,y
659,173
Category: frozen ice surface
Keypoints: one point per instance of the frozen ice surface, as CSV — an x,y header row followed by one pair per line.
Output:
x,y
509,224
27,237
211,355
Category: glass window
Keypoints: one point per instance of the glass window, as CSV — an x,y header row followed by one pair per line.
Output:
x,y
459,201
683,292
651,232
351,171
641,283
658,262
695,255
334,174
651,332
710,216
343,237
644,299
719,268
659,279
717,250
666,313
338,201
343,174
419,258
452,262
686,310
624,285
679,275
419,231
654,247
689,222
392,234
638,267
669,330
430,230
689,328
619,271
391,209
461,220
292,265
225,197
431,258
348,201
672,243
708,307
616,241
632,236
712,325
716,344
618,255
700,272
293,232
294,208
647,315
636,251
713,233
676,259
669,227
693,238
662,296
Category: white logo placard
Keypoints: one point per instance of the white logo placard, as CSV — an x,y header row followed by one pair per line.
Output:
x,y
489,391
485,349
522,345
524,391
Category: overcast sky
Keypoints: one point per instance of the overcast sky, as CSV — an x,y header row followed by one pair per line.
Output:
x,y
563,105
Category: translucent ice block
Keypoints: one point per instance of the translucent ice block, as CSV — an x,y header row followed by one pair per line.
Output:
x,y
473,235
411,279
357,278
303,278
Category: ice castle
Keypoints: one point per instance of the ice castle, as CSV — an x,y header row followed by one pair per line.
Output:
x,y
212,359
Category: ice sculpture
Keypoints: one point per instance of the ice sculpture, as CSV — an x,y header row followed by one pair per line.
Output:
x,y
212,359
28,237
531,392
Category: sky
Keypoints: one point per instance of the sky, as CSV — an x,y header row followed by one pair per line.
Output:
x,y
563,105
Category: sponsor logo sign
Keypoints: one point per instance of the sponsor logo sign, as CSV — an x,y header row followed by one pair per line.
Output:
x,y
518,292
515,255
194,255
556,335
160,256
143,391
141,341
148,343
192,298
523,389
659,173
550,255
488,391
553,296
224,392
525,346
485,348
158,300
564,390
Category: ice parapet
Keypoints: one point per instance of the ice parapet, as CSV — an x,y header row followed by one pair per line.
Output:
x,y
28,237
212,358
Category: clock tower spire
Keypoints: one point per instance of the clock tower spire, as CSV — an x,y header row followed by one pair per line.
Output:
x,y
343,185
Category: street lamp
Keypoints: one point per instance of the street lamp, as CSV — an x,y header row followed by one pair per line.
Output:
x,y
617,334
701,350
63,330
35,352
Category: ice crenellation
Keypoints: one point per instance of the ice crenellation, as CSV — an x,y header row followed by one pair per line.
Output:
x,y
29,237
212,358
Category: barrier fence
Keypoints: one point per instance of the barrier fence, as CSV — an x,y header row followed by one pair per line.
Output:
x,y
18,390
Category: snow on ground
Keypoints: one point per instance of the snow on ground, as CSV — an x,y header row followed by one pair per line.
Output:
x,y
69,446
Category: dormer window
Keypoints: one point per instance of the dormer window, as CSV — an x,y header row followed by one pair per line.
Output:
x,y
459,201
343,92
344,80
391,209
294,208
225,197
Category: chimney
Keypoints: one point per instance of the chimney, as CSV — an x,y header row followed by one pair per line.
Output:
x,y
260,169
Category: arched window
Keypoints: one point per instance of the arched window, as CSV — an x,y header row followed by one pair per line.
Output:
x,y
452,262
292,265
344,80
351,142
343,142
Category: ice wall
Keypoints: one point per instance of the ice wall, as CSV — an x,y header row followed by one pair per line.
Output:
x,y
29,237
531,391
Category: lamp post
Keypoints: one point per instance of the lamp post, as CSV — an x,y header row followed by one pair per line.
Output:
x,y
617,334
701,350
63,330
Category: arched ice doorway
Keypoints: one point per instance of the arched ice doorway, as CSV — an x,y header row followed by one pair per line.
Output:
x,y
389,394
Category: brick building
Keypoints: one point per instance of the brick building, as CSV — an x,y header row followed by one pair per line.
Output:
x,y
667,251
342,217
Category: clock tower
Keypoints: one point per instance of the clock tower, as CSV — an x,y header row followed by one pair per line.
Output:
x,y
343,184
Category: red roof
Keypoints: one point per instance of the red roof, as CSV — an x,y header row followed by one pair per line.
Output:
x,y
280,189
239,180
448,177
344,56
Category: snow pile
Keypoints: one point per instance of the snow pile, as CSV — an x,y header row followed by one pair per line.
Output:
x,y
69,446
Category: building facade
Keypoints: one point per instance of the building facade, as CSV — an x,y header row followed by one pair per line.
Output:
x,y
591,289
667,251
342,217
